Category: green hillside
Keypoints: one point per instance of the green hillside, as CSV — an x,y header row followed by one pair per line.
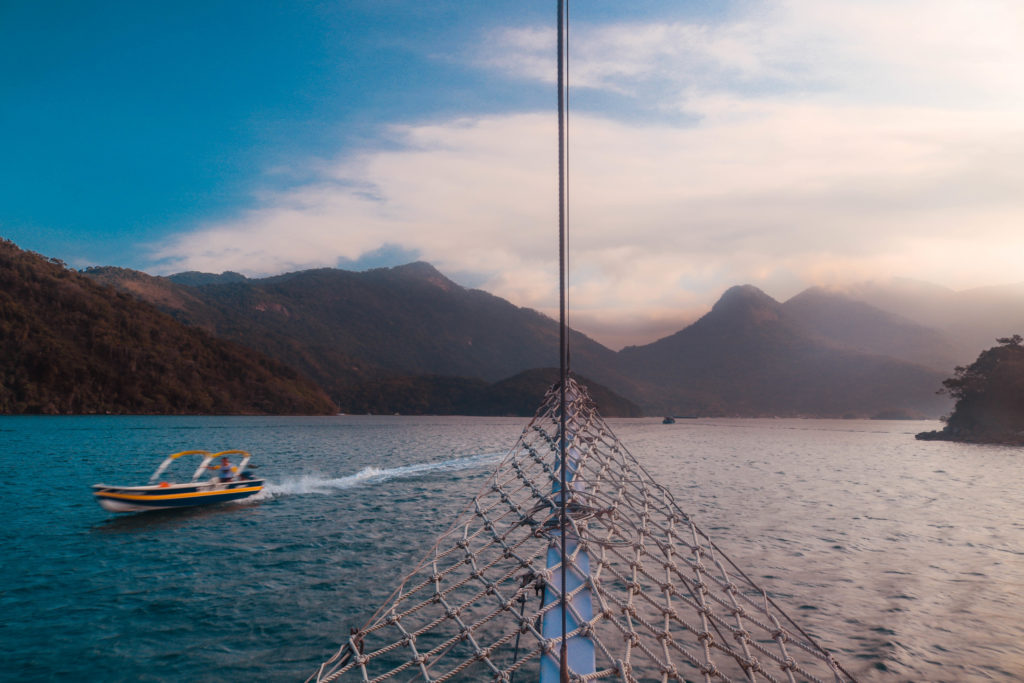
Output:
x,y
71,345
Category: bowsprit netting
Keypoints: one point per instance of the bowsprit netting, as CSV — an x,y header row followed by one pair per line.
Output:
x,y
651,597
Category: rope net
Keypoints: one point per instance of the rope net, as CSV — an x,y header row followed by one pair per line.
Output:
x,y
653,594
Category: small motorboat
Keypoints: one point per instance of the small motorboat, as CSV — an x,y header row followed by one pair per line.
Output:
x,y
669,420
162,494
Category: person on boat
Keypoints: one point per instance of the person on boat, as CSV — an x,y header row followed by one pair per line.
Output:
x,y
224,469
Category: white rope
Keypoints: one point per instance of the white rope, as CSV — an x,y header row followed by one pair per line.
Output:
x,y
668,605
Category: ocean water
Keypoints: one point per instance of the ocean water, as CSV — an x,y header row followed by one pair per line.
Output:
x,y
905,558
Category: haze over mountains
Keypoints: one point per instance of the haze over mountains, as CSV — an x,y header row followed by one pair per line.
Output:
x,y
752,355
969,321
408,339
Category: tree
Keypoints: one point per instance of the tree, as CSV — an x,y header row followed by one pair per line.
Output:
x,y
989,395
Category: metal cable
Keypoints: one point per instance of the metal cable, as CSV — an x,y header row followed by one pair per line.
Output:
x,y
563,346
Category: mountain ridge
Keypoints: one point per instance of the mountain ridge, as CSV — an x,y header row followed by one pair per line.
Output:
x,y
822,353
750,355
355,332
971,320
71,345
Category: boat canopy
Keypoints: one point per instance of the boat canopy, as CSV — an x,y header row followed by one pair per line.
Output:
x,y
207,458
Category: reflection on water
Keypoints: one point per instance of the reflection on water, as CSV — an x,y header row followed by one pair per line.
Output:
x,y
169,519
904,557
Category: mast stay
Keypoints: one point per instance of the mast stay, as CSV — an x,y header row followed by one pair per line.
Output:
x,y
571,562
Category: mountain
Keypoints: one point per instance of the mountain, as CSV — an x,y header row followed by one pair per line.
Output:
x,y
751,355
71,345
407,339
844,322
194,278
410,340
356,333
970,319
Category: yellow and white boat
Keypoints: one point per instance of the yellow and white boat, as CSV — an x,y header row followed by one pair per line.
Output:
x,y
163,494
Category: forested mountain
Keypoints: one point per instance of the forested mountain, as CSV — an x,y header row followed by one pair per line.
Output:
x,y
71,345
365,336
408,339
194,278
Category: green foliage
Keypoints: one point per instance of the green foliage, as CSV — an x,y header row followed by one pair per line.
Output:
x,y
989,395
70,345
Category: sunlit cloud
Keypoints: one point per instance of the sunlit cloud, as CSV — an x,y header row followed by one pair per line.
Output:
x,y
826,142
888,51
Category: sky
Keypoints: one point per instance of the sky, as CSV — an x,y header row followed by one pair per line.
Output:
x,y
783,144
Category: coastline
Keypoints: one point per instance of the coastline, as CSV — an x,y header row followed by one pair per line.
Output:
x,y
993,439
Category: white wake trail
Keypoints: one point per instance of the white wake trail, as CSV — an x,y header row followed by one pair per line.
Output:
x,y
318,483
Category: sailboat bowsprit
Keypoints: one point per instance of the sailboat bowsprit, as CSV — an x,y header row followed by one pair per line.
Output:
x,y
650,596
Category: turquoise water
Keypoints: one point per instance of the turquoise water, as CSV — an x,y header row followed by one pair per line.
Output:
x,y
904,557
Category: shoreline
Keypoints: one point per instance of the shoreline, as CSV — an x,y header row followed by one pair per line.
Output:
x,y
996,440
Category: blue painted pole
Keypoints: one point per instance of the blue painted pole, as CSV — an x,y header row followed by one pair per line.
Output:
x,y
565,614
579,649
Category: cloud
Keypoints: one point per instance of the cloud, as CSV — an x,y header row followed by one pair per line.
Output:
x,y
888,144
872,50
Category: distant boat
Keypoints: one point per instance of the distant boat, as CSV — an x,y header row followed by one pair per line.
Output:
x,y
669,420
162,495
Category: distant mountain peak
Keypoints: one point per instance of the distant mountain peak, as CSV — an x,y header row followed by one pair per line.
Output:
x,y
99,272
748,294
194,278
746,300
421,270
417,268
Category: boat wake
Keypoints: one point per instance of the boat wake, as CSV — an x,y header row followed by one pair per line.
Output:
x,y
318,483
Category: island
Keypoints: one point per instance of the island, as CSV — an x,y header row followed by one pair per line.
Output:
x,y
989,397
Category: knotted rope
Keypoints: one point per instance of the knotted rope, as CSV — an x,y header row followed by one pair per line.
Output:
x,y
668,605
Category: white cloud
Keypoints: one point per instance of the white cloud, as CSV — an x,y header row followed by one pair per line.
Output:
x,y
895,51
890,147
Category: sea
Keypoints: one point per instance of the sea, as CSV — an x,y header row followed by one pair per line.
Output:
x,y
904,558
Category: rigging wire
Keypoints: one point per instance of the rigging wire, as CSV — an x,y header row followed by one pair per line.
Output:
x,y
568,232
563,350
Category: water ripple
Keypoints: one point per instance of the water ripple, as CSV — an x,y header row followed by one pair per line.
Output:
x,y
903,557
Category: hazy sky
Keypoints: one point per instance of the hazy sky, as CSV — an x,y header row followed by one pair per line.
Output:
x,y
781,144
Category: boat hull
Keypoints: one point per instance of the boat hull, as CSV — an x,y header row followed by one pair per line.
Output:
x,y
141,498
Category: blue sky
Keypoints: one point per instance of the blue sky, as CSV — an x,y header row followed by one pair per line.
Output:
x,y
132,120
780,143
